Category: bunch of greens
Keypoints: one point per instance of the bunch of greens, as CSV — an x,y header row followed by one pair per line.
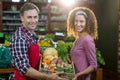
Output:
x,y
51,36
63,49
100,59
69,39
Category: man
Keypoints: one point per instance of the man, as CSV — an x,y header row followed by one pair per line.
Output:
x,y
24,50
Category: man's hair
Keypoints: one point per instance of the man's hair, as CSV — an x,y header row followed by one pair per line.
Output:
x,y
28,6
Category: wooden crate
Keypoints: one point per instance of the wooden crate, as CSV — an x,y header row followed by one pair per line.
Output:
x,y
69,76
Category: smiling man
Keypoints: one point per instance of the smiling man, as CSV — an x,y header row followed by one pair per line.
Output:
x,y
24,50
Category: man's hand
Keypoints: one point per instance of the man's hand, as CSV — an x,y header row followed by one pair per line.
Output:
x,y
55,76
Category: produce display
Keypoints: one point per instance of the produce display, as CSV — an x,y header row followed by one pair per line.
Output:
x,y
56,59
51,61
55,55
5,58
45,43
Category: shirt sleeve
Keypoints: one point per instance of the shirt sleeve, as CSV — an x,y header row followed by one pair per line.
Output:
x,y
18,50
91,52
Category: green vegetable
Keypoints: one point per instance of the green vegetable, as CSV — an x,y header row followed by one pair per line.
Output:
x,y
59,69
63,49
68,70
100,59
50,36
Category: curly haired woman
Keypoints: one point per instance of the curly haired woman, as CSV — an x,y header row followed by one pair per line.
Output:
x,y
82,24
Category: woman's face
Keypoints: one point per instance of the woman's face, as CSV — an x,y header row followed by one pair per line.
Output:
x,y
80,23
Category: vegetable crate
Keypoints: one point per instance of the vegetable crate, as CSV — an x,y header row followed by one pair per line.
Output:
x,y
68,71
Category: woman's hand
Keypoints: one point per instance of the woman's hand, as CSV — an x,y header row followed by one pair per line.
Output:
x,y
55,76
76,76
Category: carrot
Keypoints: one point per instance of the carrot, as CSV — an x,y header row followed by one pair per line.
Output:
x,y
52,68
68,59
47,61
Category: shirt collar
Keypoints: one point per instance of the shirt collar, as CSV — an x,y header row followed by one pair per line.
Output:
x,y
28,32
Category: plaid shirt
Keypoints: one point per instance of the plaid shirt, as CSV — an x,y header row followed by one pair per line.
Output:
x,y
19,46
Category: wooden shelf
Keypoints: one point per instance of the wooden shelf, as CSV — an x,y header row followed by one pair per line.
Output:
x,y
6,70
50,13
10,19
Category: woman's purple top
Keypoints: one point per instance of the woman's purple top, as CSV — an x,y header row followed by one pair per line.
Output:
x,y
83,55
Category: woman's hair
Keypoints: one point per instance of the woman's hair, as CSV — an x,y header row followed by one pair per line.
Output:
x,y
91,21
28,6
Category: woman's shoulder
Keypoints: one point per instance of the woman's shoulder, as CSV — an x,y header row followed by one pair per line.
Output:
x,y
87,39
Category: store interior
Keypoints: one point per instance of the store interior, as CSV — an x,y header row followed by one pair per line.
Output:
x,y
53,21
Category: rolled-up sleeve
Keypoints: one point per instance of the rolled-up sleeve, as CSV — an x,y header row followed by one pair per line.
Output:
x,y
91,53
18,51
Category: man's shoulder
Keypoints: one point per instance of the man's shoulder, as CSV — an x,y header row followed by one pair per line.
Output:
x,y
18,35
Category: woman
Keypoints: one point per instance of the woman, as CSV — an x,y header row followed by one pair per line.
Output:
x,y
82,24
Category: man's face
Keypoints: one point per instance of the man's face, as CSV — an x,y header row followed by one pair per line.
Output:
x,y
30,19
